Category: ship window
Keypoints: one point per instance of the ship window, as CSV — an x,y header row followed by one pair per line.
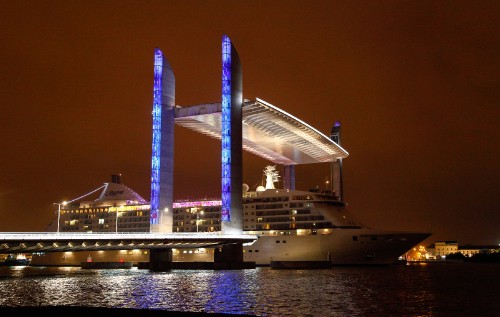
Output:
x,y
284,241
354,238
277,241
249,250
256,250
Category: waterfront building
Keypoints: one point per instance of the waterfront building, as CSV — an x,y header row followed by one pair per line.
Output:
x,y
470,250
443,248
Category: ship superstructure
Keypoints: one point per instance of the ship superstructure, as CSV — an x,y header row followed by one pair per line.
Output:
x,y
117,209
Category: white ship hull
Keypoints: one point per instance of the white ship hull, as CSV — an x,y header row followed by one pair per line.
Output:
x,y
338,248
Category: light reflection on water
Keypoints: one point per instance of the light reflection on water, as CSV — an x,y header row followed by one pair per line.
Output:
x,y
411,290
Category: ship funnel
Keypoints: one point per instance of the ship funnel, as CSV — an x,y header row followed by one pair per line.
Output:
x,y
336,167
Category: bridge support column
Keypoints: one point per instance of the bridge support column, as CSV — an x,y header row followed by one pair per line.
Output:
x,y
162,159
289,171
230,257
336,167
231,138
160,260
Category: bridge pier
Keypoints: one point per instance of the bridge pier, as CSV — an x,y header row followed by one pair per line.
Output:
x,y
160,260
230,257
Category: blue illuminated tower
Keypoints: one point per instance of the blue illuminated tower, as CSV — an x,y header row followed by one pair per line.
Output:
x,y
232,101
162,160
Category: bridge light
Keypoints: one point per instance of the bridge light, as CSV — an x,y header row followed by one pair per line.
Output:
x,y
59,212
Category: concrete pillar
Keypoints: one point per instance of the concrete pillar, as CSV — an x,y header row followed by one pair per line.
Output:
x,y
289,176
160,260
229,256
337,178
162,161
336,167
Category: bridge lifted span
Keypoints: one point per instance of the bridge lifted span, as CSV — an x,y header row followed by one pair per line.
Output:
x,y
268,132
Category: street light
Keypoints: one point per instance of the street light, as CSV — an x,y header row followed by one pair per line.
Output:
x,y
197,211
59,213
198,219
117,215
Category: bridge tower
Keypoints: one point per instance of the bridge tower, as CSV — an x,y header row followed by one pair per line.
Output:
x,y
231,138
162,160
336,167
161,219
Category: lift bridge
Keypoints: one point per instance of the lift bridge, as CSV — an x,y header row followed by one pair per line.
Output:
x,y
255,126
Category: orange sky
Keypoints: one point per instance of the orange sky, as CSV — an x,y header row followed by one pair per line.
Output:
x,y
414,83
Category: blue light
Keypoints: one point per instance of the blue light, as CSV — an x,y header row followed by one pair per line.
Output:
x,y
226,129
155,157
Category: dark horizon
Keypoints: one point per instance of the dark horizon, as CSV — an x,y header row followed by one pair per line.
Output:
x,y
414,85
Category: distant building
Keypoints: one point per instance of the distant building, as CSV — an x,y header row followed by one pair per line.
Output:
x,y
443,248
439,250
470,250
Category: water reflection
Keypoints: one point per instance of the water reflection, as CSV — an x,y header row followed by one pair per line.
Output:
x,y
384,291
234,290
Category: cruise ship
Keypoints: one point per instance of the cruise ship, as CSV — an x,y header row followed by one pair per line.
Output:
x,y
297,226
293,226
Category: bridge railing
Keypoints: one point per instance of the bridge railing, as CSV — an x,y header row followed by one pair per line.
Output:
x,y
116,235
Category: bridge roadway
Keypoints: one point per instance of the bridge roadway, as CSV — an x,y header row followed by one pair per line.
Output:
x,y
31,242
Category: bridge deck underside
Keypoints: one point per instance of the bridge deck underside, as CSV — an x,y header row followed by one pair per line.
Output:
x,y
89,243
268,132
32,247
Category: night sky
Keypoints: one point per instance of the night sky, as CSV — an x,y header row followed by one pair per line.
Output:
x,y
414,83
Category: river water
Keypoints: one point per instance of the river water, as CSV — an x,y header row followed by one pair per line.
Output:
x,y
438,289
